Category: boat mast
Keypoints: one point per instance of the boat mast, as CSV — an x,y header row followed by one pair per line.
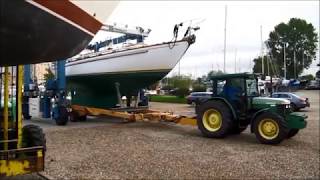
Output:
x,y
179,69
235,61
262,50
225,39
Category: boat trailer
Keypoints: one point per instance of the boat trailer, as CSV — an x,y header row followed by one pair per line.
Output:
x,y
132,115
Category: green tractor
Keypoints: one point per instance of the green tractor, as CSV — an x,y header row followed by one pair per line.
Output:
x,y
235,104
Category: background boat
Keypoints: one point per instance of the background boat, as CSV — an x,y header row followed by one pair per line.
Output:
x,y
92,80
35,31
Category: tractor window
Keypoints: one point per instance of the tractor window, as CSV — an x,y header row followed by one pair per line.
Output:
x,y
232,88
251,87
220,85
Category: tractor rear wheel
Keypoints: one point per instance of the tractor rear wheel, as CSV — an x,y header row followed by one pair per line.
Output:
x,y
270,128
33,135
214,119
292,133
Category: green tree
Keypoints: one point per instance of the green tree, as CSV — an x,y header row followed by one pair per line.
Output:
x,y
268,64
48,75
181,81
308,77
300,39
214,73
181,84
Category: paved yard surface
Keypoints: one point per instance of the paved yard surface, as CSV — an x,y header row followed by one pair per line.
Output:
x,y
108,148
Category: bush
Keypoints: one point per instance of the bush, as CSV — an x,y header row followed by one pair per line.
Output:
x,y
199,88
167,87
167,99
181,92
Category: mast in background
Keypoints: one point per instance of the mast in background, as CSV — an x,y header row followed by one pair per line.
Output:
x,y
235,61
225,39
261,52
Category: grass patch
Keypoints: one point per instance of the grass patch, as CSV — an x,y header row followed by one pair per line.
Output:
x,y
168,99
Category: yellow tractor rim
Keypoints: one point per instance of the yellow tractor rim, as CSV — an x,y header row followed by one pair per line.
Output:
x,y
212,120
268,128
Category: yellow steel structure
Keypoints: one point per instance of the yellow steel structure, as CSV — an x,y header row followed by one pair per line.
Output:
x,y
5,108
17,161
14,168
19,105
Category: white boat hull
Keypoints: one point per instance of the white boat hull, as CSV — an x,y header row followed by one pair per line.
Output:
x,y
96,81
151,58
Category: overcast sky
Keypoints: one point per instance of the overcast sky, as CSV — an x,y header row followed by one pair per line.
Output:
x,y
244,19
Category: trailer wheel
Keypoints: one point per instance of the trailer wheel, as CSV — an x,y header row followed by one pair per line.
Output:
x,y
62,118
214,119
270,128
33,135
292,133
75,117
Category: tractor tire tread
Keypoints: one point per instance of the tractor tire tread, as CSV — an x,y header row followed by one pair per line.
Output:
x,y
283,128
227,122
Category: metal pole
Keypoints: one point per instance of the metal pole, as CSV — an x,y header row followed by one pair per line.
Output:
x,y
302,61
34,73
5,107
250,64
19,83
294,64
262,50
225,39
268,66
235,61
284,61
179,69
239,67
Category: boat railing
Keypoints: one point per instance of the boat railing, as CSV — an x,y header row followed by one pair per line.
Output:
x,y
105,51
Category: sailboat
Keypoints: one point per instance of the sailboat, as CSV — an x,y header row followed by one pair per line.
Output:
x,y
98,79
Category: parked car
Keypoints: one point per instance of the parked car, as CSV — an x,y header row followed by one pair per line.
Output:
x,y
314,84
196,96
296,102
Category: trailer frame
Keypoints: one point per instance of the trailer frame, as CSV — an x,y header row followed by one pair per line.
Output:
x,y
135,114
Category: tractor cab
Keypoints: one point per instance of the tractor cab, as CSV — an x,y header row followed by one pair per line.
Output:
x,y
236,103
237,89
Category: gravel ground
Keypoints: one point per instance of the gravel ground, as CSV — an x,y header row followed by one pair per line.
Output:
x,y
100,149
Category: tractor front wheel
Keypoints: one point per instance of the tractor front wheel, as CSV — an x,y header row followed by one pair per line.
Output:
x,y
270,128
214,119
